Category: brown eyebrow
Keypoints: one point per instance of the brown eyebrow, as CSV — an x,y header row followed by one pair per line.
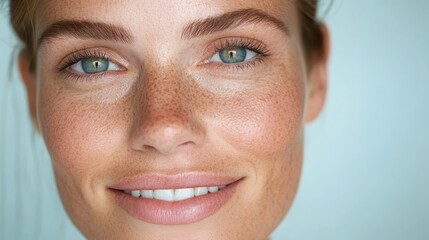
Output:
x,y
104,31
231,20
85,30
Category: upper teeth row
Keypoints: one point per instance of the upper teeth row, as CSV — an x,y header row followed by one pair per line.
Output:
x,y
174,194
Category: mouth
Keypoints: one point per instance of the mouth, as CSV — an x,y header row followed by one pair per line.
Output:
x,y
172,195
174,199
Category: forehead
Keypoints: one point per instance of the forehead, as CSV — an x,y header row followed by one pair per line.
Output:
x,y
160,14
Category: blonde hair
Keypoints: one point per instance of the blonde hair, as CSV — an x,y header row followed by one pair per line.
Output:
x,y
22,15
22,18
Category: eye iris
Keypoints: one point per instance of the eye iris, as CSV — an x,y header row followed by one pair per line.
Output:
x,y
95,65
233,55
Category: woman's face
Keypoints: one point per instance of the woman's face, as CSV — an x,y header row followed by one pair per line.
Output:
x,y
164,95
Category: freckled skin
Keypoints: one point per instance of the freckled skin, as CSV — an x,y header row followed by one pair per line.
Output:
x,y
168,115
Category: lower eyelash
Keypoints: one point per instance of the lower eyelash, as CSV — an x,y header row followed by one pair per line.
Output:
x,y
250,44
243,66
88,77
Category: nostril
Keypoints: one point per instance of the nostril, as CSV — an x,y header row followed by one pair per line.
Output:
x,y
148,148
166,137
187,143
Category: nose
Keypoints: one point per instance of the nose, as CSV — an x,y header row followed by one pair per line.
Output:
x,y
164,121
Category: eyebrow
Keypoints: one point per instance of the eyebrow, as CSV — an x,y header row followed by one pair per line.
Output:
x,y
85,30
104,31
231,20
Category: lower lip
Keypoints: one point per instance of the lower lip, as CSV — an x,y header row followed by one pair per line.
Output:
x,y
173,213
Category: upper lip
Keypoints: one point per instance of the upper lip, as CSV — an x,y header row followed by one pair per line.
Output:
x,y
183,180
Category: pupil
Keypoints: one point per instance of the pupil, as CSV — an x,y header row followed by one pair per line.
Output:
x,y
95,65
232,53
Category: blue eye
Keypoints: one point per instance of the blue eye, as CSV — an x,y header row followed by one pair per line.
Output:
x,y
233,55
94,65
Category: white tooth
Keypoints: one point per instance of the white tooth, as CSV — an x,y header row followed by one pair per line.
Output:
x,y
135,193
127,192
164,194
213,189
222,187
183,193
201,191
147,194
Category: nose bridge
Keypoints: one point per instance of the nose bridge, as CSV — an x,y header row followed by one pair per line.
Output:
x,y
163,95
163,121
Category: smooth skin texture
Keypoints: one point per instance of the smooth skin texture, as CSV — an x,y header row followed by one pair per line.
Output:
x,y
170,110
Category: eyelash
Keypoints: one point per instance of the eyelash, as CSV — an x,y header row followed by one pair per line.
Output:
x,y
249,44
253,45
77,56
80,55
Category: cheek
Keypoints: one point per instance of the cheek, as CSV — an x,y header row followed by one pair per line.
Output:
x,y
79,134
80,137
267,119
264,125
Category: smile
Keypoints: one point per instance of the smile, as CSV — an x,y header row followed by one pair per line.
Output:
x,y
175,199
172,195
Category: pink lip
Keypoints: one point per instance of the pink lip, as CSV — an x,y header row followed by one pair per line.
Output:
x,y
180,212
186,180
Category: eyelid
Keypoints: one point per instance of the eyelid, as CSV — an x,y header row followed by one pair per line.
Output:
x,y
249,55
100,52
248,43
261,50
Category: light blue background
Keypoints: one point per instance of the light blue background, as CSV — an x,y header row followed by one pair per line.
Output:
x,y
365,174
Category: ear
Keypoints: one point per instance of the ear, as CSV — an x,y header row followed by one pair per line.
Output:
x,y
29,80
317,78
